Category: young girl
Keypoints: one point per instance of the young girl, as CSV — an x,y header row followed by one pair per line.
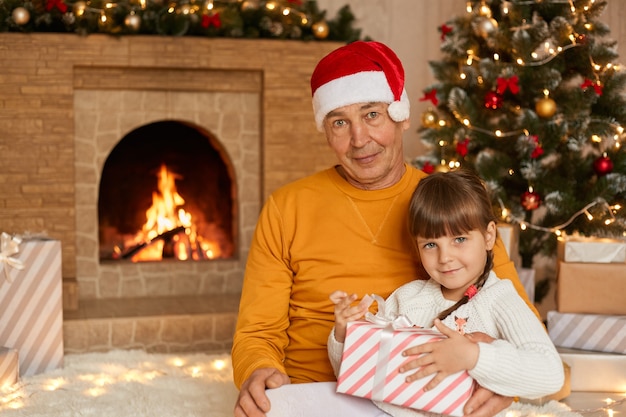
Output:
x,y
452,222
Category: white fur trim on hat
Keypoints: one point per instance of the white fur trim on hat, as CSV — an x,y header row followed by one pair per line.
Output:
x,y
362,87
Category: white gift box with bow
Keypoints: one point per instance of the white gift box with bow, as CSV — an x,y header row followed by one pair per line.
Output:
x,y
371,358
577,248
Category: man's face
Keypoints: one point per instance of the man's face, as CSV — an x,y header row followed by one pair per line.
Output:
x,y
367,143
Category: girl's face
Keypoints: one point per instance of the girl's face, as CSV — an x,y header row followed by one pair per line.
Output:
x,y
456,262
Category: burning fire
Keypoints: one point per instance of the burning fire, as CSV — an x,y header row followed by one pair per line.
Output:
x,y
169,230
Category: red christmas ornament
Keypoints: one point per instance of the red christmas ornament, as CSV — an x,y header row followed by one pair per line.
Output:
x,y
603,165
530,200
493,100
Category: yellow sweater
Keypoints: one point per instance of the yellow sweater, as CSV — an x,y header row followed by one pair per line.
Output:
x,y
314,236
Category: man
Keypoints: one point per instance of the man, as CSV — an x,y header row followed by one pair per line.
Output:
x,y
342,228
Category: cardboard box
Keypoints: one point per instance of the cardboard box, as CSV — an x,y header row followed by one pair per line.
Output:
x,y
588,331
591,288
9,367
591,249
369,369
595,371
31,303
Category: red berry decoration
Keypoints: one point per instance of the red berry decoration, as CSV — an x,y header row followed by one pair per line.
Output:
x,y
603,165
493,100
530,200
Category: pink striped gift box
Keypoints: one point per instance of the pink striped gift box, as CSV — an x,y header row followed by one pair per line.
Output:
x,y
596,332
369,369
31,306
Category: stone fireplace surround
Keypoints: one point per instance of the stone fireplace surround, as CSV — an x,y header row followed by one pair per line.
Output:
x,y
66,100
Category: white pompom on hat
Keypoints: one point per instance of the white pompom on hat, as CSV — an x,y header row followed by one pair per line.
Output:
x,y
360,72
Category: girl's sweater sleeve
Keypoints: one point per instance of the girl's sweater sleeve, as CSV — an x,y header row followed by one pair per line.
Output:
x,y
335,351
523,361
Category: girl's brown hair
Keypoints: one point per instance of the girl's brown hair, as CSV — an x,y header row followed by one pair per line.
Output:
x,y
451,203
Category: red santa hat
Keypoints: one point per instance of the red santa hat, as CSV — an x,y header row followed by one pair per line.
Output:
x,y
360,72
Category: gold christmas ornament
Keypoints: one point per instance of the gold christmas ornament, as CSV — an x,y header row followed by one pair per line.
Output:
x,y
545,107
320,29
429,118
20,15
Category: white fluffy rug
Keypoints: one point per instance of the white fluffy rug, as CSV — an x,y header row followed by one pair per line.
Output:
x,y
137,384
127,383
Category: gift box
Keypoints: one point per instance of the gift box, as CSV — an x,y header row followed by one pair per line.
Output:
x,y
595,371
591,288
588,331
509,235
31,302
369,369
527,278
9,366
591,249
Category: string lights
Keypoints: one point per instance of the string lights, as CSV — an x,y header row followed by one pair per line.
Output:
x,y
558,230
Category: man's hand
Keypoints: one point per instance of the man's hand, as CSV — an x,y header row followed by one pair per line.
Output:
x,y
484,403
252,401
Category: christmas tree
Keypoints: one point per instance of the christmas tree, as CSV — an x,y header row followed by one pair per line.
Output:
x,y
528,95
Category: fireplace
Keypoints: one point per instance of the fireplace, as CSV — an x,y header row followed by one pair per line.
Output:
x,y
209,141
167,192
66,110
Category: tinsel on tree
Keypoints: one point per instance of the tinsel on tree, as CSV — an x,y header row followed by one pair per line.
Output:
x,y
274,19
529,95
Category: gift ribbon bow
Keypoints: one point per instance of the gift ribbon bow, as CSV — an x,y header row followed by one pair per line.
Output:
x,y
388,325
9,246
51,4
213,20
432,96
381,319
510,84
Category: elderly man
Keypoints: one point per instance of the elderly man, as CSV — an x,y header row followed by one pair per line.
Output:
x,y
342,228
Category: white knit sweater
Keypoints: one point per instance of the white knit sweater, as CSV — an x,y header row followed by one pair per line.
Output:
x,y
521,362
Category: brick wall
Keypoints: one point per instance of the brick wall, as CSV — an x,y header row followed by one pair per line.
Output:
x,y
39,74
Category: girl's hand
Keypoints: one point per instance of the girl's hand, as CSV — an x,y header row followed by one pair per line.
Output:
x,y
345,313
442,358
